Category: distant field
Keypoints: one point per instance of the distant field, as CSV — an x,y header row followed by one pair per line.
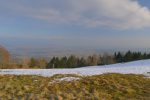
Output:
x,y
75,87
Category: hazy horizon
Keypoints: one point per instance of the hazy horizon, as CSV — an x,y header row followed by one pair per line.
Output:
x,y
74,27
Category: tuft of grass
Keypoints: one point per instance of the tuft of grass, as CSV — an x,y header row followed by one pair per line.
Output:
x,y
98,87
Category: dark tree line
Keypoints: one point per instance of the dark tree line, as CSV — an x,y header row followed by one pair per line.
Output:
x,y
105,59
130,56
66,62
74,62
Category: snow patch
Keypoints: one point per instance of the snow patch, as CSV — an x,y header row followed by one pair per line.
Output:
x,y
136,67
147,74
67,79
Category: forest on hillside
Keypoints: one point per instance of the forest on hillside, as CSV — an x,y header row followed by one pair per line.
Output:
x,y
71,61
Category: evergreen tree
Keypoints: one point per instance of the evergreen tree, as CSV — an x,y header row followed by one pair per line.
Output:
x,y
129,56
81,62
33,63
51,63
119,57
72,62
63,62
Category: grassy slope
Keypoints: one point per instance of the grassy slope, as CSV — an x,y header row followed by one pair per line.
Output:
x,y
100,87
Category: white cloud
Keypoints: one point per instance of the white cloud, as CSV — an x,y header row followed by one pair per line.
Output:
x,y
122,14
119,14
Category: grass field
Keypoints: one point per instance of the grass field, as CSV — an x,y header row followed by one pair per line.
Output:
x,y
59,87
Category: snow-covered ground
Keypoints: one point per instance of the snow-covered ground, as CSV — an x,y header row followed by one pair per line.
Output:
x,y
136,67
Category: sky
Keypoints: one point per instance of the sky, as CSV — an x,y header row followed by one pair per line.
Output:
x,y
74,24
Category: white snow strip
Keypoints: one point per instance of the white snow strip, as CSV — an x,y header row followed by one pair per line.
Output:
x,y
67,79
136,67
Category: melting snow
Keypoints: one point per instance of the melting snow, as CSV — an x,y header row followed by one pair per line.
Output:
x,y
67,79
136,67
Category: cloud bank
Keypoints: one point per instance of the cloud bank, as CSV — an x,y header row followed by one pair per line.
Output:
x,y
118,14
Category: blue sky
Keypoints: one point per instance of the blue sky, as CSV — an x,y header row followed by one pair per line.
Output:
x,y
73,24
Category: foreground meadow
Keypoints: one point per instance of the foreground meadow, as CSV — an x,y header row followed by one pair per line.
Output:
x,y
75,87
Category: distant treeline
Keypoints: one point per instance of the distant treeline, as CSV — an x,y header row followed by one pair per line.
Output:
x,y
74,62
105,59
